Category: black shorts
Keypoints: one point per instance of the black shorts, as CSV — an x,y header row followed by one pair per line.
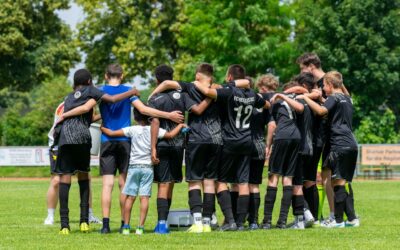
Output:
x,y
234,167
310,171
202,161
170,167
256,171
53,159
342,163
114,155
284,156
303,166
73,158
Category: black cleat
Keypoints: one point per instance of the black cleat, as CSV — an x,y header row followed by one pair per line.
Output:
x,y
281,225
241,228
253,226
228,227
105,230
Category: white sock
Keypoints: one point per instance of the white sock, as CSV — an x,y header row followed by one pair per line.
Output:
x,y
332,215
197,218
51,211
308,215
90,211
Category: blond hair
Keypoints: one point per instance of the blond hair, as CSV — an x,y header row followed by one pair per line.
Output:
x,y
334,78
268,81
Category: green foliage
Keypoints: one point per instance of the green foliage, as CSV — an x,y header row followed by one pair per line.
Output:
x,y
359,38
253,33
378,127
135,34
28,122
35,44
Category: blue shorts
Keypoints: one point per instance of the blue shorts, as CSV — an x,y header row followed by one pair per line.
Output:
x,y
139,180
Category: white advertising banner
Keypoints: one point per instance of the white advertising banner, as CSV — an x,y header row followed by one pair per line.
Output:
x,y
30,156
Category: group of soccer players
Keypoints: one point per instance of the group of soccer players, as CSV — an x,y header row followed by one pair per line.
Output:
x,y
235,131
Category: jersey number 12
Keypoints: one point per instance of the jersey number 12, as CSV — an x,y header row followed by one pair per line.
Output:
x,y
247,113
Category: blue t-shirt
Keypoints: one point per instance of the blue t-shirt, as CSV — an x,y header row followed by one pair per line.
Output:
x,y
116,115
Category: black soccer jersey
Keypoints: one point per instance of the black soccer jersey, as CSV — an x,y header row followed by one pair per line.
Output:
x,y
340,115
169,101
305,122
75,130
285,118
205,128
237,106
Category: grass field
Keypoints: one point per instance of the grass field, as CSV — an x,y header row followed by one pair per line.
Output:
x,y
23,209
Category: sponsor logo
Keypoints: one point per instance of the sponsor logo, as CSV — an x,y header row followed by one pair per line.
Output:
x,y
77,94
176,96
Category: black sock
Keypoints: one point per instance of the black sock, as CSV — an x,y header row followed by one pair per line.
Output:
x,y
106,222
195,203
253,207
208,205
162,208
269,202
84,191
63,193
169,203
340,202
242,209
224,200
285,204
122,223
349,208
298,204
234,197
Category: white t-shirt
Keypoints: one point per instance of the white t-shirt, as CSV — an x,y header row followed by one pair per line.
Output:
x,y
141,143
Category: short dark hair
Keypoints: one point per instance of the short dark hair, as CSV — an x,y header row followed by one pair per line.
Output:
x,y
139,117
237,71
82,77
309,58
163,72
114,70
306,79
206,69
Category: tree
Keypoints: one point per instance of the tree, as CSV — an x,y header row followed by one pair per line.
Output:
x,y
35,44
253,33
359,38
134,33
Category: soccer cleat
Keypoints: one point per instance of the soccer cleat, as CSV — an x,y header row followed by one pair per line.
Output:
x,y
195,228
333,224
84,227
266,226
308,218
298,222
207,229
126,230
161,228
94,219
105,230
228,227
280,225
353,223
328,222
214,221
49,220
253,226
241,228
139,230
64,231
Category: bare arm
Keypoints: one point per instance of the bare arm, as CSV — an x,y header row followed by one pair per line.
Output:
x,y
96,117
120,97
201,107
318,109
112,133
297,106
242,83
296,90
210,92
175,116
155,125
270,136
315,94
89,105
174,132
165,85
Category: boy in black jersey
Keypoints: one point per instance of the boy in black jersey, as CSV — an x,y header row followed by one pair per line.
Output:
x,y
169,152
342,157
284,156
237,106
266,85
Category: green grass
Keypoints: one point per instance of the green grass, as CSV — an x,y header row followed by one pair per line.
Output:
x,y
23,209
39,171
